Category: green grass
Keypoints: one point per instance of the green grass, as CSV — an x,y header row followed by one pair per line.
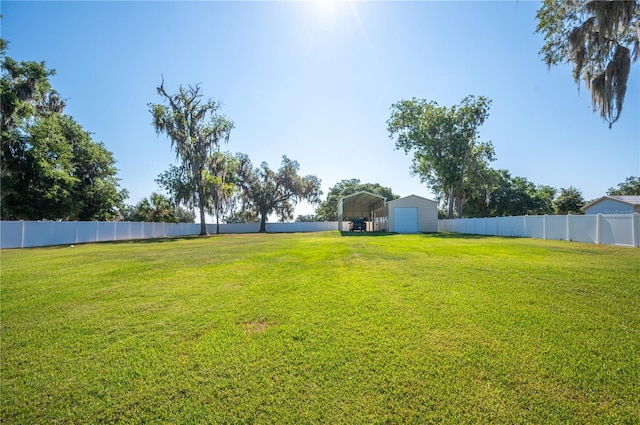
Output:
x,y
321,328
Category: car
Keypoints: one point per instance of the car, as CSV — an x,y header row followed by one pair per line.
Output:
x,y
358,224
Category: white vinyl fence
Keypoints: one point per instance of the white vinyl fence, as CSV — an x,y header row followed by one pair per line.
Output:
x,y
606,229
623,229
23,234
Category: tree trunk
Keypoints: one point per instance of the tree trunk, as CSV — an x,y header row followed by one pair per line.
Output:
x,y
215,204
460,205
451,202
263,223
203,224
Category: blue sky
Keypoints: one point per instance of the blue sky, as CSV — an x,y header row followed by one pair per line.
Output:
x,y
315,81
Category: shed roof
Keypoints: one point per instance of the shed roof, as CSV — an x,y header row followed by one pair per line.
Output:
x,y
633,200
420,198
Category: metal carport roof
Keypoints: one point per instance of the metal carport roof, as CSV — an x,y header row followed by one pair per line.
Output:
x,y
359,204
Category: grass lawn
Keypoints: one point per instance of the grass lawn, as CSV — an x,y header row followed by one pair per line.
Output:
x,y
321,328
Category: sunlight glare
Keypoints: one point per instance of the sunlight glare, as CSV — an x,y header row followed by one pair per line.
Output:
x,y
325,13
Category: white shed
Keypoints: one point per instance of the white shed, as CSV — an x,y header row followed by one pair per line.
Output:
x,y
411,214
613,205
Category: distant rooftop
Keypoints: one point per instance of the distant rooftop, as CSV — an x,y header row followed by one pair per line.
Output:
x,y
633,200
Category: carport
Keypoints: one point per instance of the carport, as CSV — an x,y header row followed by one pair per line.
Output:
x,y
359,205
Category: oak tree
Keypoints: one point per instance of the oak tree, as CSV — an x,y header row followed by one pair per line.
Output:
x,y
265,191
447,154
600,39
195,130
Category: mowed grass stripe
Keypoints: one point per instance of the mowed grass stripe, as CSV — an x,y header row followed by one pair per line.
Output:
x,y
321,328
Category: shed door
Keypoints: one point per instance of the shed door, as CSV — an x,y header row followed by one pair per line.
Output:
x,y
405,220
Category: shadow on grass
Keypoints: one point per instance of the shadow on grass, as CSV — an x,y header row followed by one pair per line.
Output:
x,y
158,240
449,235
363,234
439,235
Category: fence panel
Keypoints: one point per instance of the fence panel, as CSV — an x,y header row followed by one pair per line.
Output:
x,y
616,229
86,231
477,226
11,234
182,229
584,228
147,230
535,226
157,230
503,226
123,231
63,233
235,228
106,231
37,233
556,226
136,230
518,226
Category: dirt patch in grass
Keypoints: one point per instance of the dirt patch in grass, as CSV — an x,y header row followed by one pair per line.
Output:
x,y
256,326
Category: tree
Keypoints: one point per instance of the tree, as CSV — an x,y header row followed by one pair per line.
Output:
x,y
481,198
569,201
265,191
504,195
307,218
630,187
328,209
478,176
195,131
158,208
59,172
600,39
220,177
51,168
219,181
175,182
446,152
519,196
25,91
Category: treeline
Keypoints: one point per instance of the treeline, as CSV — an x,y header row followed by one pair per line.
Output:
x,y
52,168
450,158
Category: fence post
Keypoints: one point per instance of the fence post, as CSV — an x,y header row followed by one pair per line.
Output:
x,y
21,233
544,227
51,233
635,225
526,229
598,228
569,227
